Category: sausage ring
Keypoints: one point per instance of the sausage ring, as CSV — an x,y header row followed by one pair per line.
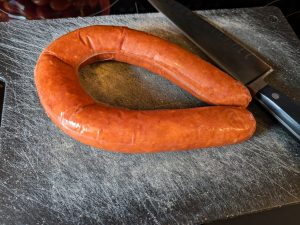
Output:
x,y
136,131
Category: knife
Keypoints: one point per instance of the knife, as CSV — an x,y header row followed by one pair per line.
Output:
x,y
234,58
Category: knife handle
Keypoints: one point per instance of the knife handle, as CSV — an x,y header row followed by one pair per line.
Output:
x,y
284,109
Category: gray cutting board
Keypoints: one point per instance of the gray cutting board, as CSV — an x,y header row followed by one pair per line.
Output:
x,y
48,178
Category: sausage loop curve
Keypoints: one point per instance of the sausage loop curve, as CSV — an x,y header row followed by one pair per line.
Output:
x,y
137,131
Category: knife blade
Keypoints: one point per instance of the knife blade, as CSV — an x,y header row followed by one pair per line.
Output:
x,y
235,59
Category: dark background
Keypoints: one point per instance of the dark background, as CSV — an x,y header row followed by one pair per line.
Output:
x,y
290,8
41,8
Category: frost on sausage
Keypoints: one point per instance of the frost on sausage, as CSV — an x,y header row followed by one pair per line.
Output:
x,y
124,130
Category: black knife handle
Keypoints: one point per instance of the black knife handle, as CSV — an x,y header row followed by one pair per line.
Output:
x,y
285,110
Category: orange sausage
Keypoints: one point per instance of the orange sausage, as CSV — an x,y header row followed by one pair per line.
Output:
x,y
132,131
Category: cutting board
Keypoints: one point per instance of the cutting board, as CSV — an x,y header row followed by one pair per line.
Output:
x,y
47,177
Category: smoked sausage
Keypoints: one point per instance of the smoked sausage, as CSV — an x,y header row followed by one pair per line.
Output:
x,y
137,131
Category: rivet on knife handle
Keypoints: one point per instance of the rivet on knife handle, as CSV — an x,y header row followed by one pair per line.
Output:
x,y
282,108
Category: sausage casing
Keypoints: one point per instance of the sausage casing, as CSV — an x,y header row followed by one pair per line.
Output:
x,y
124,130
